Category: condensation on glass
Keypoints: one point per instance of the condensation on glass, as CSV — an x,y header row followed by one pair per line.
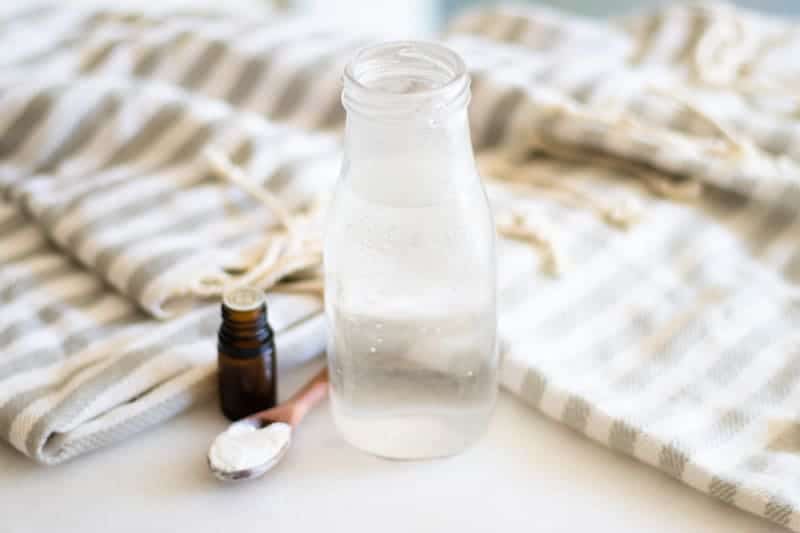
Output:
x,y
410,288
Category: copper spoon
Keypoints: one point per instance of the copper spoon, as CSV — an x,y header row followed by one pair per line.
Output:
x,y
291,412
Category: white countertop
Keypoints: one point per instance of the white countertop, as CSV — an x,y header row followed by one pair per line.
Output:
x,y
526,474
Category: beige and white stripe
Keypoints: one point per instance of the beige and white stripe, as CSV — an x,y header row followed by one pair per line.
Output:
x,y
676,343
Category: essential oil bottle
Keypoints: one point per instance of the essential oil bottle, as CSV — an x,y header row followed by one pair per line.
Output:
x,y
246,355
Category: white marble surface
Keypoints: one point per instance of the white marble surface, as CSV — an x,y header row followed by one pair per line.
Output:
x,y
527,474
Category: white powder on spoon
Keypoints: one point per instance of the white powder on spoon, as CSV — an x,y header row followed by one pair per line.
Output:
x,y
243,446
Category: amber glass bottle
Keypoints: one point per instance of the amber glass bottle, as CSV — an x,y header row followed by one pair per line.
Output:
x,y
247,358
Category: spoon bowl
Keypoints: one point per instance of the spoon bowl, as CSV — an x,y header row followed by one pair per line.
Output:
x,y
256,471
290,412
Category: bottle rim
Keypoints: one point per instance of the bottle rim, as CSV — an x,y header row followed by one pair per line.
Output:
x,y
244,299
404,79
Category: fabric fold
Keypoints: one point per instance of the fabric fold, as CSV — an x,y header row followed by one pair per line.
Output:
x,y
692,91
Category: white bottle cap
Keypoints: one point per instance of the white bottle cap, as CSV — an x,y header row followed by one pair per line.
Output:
x,y
244,299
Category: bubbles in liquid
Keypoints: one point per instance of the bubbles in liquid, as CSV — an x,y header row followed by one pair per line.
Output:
x,y
422,394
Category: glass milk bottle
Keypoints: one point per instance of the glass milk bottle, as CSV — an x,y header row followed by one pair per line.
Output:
x,y
410,289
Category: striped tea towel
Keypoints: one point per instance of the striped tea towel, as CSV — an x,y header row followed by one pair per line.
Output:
x,y
111,212
673,341
677,341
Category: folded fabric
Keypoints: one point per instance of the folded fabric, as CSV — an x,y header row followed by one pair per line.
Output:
x,y
675,342
705,91
112,212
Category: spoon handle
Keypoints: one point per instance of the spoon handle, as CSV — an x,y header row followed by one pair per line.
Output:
x,y
309,395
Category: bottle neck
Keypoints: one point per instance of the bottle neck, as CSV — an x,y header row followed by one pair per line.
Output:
x,y
244,333
407,137
408,163
440,139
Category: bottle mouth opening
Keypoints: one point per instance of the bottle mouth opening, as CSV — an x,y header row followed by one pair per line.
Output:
x,y
402,77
